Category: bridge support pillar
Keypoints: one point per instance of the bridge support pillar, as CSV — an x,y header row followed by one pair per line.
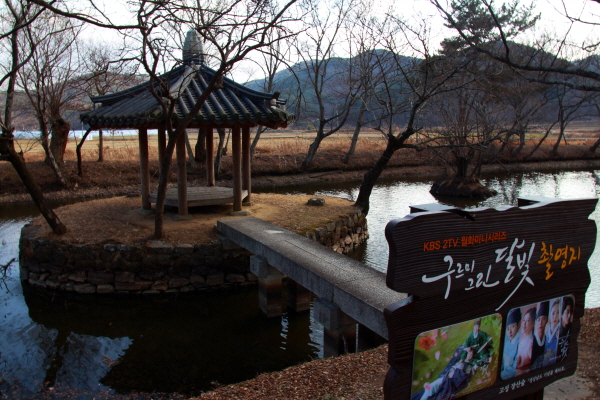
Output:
x,y
367,339
269,286
298,297
339,329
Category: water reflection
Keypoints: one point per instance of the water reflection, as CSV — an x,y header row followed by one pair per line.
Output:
x,y
184,344
190,344
390,200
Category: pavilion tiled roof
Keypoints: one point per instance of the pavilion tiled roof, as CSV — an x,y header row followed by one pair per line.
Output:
x,y
232,105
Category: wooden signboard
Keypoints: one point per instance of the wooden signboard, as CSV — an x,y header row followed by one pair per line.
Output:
x,y
495,297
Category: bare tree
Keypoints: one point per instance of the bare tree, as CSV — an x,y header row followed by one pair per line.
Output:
x,y
46,79
330,83
107,68
231,29
502,24
372,65
271,61
406,92
18,15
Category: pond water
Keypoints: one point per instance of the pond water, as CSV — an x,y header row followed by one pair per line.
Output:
x,y
190,344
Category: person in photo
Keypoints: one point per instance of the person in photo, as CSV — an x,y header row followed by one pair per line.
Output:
x,y
538,348
526,341
566,322
552,333
474,353
511,344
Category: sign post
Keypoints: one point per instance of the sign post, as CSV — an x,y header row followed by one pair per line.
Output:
x,y
495,298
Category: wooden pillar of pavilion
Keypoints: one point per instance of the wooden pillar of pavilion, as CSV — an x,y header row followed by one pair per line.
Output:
x,y
246,169
181,176
237,168
162,146
144,169
210,155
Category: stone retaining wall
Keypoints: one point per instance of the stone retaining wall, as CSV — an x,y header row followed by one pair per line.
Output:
x,y
156,267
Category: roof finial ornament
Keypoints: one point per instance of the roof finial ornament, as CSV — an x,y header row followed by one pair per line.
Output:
x,y
193,51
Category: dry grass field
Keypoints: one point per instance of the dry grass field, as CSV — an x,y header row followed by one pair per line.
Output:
x,y
277,160
119,147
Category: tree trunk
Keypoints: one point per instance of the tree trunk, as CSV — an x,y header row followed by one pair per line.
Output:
x,y
60,137
78,151
50,159
521,143
100,146
359,122
462,166
7,148
557,144
541,140
191,158
161,192
200,148
370,178
312,151
220,151
259,131
595,146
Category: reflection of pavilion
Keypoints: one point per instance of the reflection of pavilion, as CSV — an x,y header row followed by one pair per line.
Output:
x,y
182,344
232,106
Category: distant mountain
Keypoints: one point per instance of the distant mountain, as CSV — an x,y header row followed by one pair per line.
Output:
x,y
288,81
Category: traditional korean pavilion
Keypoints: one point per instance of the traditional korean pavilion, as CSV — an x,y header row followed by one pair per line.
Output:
x,y
233,106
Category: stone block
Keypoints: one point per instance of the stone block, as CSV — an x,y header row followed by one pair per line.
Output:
x,y
215,279
184,249
235,278
132,254
150,292
52,284
160,285
38,283
157,260
133,286
151,275
63,278
55,270
202,270
316,202
250,277
178,282
105,289
108,256
159,247
69,286
124,277
330,316
78,276
187,289
84,288
343,231
101,277
204,249
198,281
180,270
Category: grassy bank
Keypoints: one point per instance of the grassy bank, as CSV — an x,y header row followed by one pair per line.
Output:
x,y
276,161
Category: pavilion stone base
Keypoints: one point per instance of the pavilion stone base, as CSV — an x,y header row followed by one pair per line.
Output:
x,y
156,267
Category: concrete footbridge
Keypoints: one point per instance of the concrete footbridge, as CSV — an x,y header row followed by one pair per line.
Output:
x,y
349,292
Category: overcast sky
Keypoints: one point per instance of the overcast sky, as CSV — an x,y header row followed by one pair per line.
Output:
x,y
553,21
